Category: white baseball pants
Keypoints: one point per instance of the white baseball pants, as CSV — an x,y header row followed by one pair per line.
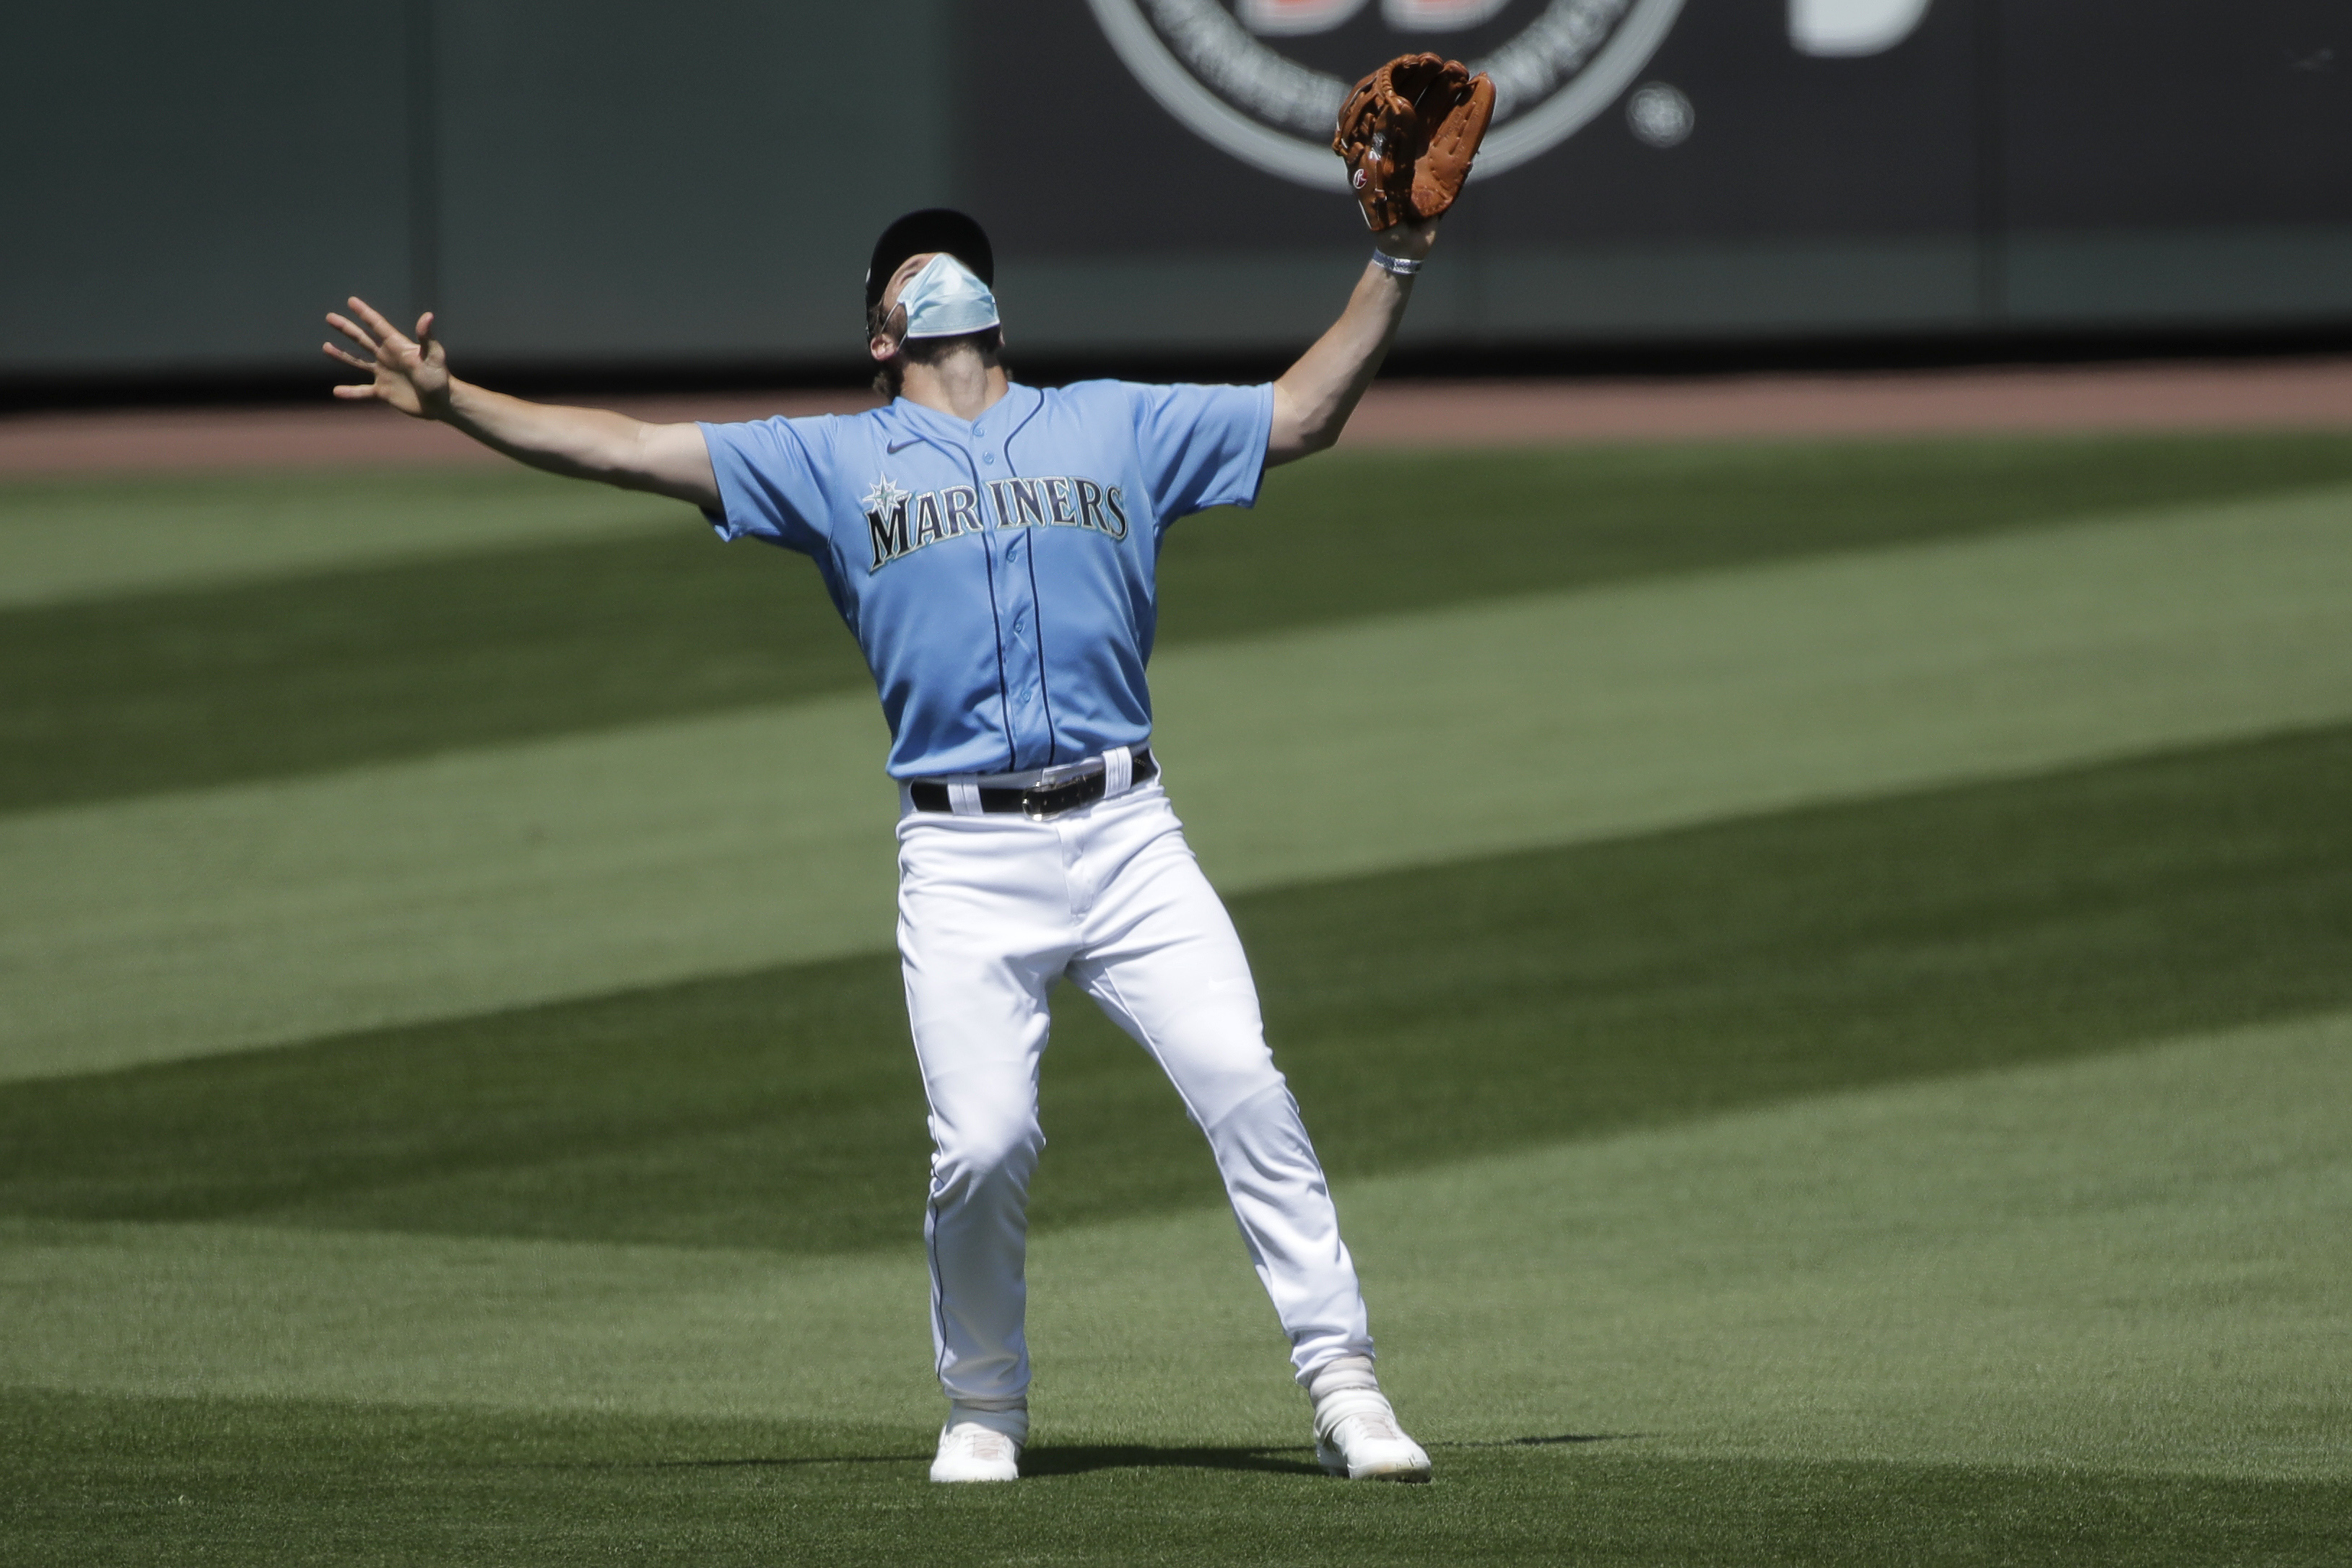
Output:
x,y
993,910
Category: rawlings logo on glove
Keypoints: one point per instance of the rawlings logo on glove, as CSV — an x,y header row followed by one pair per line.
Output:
x,y
1407,134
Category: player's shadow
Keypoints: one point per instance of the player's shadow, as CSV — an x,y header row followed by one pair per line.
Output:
x,y
1078,1458
1075,1459
1069,1459
743,1462
1538,1442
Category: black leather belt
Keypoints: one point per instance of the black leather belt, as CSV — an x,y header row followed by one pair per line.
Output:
x,y
1035,803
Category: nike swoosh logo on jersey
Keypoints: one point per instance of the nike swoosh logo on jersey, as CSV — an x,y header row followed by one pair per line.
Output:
x,y
894,451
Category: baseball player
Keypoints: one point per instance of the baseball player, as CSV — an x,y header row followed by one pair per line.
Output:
x,y
993,548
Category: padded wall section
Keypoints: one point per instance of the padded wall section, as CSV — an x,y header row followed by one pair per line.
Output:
x,y
190,187
700,180
601,184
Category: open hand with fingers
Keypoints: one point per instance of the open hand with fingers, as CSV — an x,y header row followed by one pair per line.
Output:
x,y
410,373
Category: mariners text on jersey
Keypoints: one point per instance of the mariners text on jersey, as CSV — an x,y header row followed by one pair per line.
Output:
x,y
897,522
1000,573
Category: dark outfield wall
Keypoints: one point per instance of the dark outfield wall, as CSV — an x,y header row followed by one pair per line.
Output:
x,y
589,182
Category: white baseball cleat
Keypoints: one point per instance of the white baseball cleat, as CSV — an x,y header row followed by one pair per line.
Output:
x,y
972,1452
1357,1436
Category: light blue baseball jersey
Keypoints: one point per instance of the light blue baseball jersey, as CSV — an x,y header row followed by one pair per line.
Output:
x,y
999,574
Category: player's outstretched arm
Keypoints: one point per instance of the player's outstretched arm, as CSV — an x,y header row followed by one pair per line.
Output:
x,y
412,374
1315,396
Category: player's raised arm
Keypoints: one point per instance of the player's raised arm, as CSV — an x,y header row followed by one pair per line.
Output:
x,y
1314,397
1407,135
412,374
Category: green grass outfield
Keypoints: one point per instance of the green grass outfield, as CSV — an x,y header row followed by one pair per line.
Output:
x,y
1822,974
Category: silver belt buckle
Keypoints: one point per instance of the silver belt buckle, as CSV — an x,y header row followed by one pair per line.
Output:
x,y
1034,805
1054,782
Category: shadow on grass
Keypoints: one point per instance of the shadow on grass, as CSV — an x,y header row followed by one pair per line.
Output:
x,y
1540,1442
754,1461
1080,1459
1076,1459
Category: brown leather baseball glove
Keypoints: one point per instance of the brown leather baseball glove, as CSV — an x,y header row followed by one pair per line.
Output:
x,y
1407,134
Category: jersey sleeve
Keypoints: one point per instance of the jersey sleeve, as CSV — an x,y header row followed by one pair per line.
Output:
x,y
1203,446
771,482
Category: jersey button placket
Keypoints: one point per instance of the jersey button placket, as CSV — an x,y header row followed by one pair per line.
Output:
x,y
1017,650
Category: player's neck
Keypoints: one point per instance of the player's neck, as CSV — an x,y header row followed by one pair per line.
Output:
x,y
962,384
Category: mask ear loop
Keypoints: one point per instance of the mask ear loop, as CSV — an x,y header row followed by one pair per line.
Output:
x,y
894,327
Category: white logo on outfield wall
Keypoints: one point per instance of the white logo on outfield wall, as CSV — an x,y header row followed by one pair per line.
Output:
x,y
1215,69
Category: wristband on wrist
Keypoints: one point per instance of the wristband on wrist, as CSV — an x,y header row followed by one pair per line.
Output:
x,y
1395,266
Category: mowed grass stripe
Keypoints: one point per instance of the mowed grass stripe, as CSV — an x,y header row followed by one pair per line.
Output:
x,y
146,695
1423,1017
2134,1262
262,914
532,627
1555,720
167,1480
1353,534
74,540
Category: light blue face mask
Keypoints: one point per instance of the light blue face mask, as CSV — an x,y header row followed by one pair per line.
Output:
x,y
944,300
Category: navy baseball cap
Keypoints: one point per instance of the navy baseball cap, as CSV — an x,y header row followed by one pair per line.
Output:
x,y
933,229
